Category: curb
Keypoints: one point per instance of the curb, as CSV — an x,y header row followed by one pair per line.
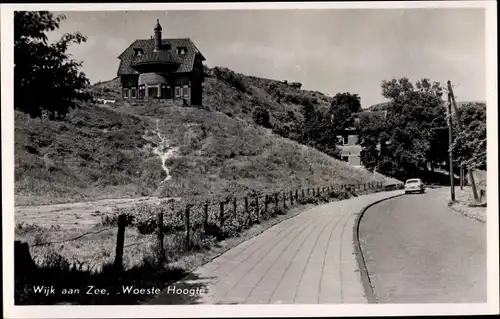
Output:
x,y
365,277
464,214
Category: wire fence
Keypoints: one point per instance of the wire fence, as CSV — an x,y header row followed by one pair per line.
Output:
x,y
217,217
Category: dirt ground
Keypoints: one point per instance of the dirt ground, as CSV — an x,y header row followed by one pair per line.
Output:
x,y
75,215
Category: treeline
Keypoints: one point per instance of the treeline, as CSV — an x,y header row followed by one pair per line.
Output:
x,y
319,127
413,139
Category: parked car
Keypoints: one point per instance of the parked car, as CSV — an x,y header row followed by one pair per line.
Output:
x,y
414,185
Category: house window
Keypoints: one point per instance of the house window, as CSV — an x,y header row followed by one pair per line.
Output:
x,y
345,158
138,52
185,90
141,91
133,93
345,140
152,91
181,50
125,93
163,90
168,92
177,91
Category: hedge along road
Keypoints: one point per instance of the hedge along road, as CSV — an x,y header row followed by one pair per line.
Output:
x,y
307,259
417,250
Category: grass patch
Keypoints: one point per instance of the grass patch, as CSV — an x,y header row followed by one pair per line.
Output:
x,y
466,205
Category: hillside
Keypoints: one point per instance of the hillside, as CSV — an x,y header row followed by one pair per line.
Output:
x,y
102,152
237,95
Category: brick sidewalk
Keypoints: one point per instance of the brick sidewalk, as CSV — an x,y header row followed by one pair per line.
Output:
x,y
308,259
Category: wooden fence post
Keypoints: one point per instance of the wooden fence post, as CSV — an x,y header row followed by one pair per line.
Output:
x,y
159,238
187,225
234,207
303,195
246,208
291,198
296,194
120,240
257,207
205,217
308,192
266,200
221,214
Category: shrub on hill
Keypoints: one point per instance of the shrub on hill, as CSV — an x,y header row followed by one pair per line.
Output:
x,y
261,117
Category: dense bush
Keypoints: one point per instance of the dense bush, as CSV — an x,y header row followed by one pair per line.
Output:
x,y
261,117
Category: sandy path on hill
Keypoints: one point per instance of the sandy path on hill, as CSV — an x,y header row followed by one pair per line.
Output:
x,y
75,215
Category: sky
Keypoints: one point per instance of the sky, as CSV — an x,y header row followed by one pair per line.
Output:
x,y
329,50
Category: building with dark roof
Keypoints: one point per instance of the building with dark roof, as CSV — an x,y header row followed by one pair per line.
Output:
x,y
162,68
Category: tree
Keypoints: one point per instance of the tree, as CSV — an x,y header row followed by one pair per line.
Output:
x,y
45,76
317,131
343,106
469,146
411,134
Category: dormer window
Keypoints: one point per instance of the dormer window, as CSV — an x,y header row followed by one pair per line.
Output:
x,y
138,52
181,50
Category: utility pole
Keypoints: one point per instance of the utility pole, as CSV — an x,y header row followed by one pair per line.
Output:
x,y
459,124
450,138
471,175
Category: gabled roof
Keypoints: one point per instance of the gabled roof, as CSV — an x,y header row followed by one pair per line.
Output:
x,y
168,55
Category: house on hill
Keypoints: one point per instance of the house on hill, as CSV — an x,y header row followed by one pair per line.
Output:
x,y
349,143
162,68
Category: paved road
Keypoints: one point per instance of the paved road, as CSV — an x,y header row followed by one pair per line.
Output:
x,y
417,250
307,259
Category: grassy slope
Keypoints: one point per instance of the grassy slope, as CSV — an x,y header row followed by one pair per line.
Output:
x,y
101,152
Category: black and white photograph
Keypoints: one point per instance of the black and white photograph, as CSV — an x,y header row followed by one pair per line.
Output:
x,y
324,159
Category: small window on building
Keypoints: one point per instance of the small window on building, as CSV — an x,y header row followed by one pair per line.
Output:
x,y
345,140
125,93
133,93
185,91
141,91
181,50
138,52
177,91
152,91
345,158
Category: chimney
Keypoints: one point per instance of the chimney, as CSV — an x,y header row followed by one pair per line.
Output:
x,y
158,36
